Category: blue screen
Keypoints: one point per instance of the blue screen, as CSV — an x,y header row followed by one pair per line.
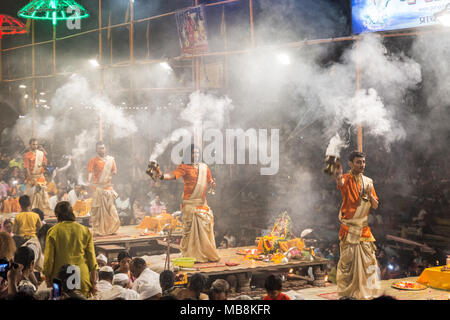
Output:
x,y
384,15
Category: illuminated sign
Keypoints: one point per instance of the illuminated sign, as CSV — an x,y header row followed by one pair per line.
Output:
x,y
384,15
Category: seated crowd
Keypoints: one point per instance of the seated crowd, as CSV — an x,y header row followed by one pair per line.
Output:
x,y
43,262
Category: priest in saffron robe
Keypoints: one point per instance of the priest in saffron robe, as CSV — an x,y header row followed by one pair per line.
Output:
x,y
104,217
357,270
34,162
198,220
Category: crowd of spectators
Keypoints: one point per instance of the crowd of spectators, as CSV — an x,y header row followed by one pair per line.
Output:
x,y
421,196
64,183
71,271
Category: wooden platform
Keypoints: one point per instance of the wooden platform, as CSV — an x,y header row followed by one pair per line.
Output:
x,y
245,265
130,234
132,239
330,292
245,269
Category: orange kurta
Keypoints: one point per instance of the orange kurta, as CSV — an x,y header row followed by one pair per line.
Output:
x,y
28,163
96,166
11,205
190,176
350,200
15,205
350,196
6,206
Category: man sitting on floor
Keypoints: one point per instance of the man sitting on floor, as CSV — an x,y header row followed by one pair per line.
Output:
x,y
120,289
143,275
273,285
105,277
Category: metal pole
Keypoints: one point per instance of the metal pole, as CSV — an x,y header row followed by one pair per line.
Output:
x,y
225,70
33,87
54,49
100,127
197,66
252,27
131,52
100,119
197,73
358,87
132,80
100,45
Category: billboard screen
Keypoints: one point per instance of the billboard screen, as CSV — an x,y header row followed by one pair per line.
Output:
x,y
384,15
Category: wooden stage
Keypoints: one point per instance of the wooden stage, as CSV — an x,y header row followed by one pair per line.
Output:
x,y
245,269
153,247
330,292
135,241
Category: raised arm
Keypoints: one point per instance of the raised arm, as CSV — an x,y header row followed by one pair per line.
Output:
x,y
168,176
174,175
66,166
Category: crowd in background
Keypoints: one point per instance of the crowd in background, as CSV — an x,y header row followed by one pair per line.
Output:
x,y
421,195
58,263
64,184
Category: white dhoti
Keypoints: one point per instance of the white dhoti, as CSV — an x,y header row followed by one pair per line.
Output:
x,y
104,217
36,187
357,271
198,224
37,191
40,200
357,274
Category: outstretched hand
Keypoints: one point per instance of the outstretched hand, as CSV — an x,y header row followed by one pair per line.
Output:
x,y
338,169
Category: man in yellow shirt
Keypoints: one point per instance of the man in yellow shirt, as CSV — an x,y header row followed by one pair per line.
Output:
x,y
26,223
70,243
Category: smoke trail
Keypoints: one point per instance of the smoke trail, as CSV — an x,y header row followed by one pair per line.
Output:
x,y
335,146
203,111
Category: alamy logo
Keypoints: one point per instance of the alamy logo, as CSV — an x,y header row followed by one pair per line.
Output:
x,y
72,21
74,280
233,148
373,281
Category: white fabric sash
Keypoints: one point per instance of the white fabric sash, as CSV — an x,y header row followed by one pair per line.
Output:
x,y
38,162
359,220
106,172
201,182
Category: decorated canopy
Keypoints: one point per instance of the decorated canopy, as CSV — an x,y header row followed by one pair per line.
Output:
x,y
10,25
53,10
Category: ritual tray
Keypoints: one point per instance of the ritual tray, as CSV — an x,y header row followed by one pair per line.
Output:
x,y
406,285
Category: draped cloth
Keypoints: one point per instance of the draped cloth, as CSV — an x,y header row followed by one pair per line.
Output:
x,y
39,199
198,223
36,187
357,270
104,217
